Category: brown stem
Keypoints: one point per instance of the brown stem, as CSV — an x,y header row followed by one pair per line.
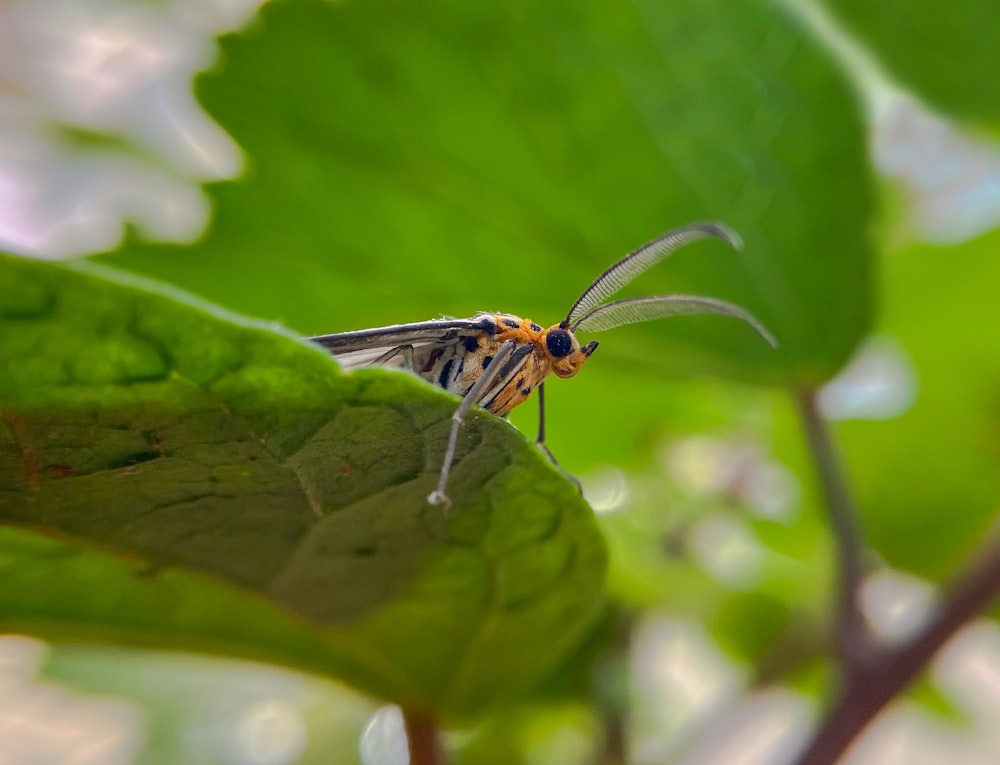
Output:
x,y
612,695
422,738
851,635
896,669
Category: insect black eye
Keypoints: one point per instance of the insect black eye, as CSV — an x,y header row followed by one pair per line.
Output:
x,y
559,343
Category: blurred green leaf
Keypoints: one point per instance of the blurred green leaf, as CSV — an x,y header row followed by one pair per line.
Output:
x,y
449,157
944,707
929,479
945,52
526,734
750,623
174,476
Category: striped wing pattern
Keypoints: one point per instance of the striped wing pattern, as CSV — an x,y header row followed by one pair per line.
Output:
x,y
388,346
450,353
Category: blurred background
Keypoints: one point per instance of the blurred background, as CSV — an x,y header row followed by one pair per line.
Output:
x,y
336,166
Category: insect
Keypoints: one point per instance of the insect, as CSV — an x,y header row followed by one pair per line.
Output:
x,y
497,360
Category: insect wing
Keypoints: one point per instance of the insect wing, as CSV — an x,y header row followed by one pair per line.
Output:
x,y
376,346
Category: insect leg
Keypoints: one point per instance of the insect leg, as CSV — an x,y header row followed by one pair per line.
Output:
x,y
406,351
438,497
540,440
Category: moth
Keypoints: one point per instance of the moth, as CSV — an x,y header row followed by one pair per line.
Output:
x,y
498,360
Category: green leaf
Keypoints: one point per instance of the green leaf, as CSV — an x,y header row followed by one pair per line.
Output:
x,y
178,477
448,157
928,480
943,708
946,52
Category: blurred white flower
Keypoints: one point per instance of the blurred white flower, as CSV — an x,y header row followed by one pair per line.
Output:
x,y
607,490
706,466
383,741
269,732
950,176
680,679
895,604
879,383
949,173
41,722
99,126
729,551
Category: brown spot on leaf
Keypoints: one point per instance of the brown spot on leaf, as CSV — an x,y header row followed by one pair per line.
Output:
x,y
26,452
60,471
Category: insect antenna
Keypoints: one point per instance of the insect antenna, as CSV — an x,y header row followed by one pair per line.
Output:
x,y
647,256
634,310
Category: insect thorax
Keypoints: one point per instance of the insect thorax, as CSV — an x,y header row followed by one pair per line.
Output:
x,y
458,365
